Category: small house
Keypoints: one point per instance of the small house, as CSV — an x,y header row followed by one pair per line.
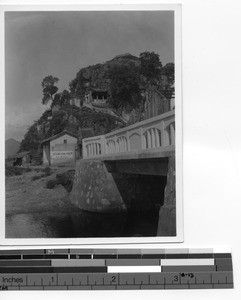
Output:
x,y
19,159
60,148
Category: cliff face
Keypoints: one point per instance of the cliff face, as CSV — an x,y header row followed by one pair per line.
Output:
x,y
124,85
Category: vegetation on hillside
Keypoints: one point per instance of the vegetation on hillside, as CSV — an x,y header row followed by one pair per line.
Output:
x,y
49,88
125,87
124,77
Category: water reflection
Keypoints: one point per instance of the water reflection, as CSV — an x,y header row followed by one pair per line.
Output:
x,y
81,224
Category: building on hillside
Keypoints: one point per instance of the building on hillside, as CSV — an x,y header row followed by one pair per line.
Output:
x,y
19,159
75,100
60,149
97,97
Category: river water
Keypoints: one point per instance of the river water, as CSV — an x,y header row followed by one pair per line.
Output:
x,y
81,224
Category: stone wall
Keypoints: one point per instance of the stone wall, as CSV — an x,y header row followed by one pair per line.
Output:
x,y
167,213
94,189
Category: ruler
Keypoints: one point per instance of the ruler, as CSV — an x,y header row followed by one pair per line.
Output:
x,y
114,269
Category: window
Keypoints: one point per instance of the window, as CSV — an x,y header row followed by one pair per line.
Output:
x,y
65,141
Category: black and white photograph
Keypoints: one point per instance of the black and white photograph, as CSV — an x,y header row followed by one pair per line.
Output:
x,y
93,124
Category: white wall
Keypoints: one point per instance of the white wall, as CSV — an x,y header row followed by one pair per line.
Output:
x,y
61,152
60,140
46,155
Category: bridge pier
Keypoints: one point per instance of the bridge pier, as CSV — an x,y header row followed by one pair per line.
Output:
x,y
136,187
94,188
167,213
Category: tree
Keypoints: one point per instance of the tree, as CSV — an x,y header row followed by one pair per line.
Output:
x,y
150,64
169,72
49,88
125,90
61,99
77,85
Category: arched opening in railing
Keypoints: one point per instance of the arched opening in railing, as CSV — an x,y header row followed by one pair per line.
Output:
x,y
110,146
93,149
170,134
152,138
98,148
121,144
135,141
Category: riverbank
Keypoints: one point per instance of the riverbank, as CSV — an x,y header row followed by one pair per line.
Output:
x,y
34,211
28,200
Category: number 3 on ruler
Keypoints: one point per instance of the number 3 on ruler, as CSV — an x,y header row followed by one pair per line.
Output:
x,y
176,278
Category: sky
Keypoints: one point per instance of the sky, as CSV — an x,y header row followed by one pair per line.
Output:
x,y
38,44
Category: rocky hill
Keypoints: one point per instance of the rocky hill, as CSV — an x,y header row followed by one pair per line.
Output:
x,y
98,76
125,78
120,81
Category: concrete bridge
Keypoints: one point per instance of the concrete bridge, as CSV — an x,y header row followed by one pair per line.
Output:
x,y
132,168
150,138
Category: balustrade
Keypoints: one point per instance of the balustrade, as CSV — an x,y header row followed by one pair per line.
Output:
x,y
154,133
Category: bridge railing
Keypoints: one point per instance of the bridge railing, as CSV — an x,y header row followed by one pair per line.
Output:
x,y
154,133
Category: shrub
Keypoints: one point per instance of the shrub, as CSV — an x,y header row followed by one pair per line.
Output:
x,y
46,172
36,177
15,171
51,184
66,180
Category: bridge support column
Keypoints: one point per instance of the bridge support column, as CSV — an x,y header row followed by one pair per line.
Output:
x,y
94,189
167,213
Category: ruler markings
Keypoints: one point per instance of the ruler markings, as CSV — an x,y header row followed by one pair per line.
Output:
x,y
51,269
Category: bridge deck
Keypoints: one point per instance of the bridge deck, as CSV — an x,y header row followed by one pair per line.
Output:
x,y
140,154
151,162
